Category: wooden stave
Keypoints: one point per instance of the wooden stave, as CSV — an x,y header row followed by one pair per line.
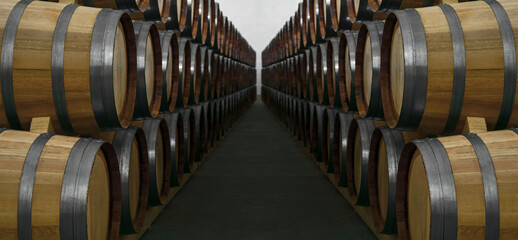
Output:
x,y
74,190
144,108
176,128
373,109
122,142
169,39
151,127
102,118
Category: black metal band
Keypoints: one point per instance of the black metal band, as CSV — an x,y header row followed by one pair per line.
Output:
x,y
375,30
459,68
151,128
366,128
510,72
490,186
165,40
416,69
345,122
351,37
6,68
142,32
101,69
28,175
58,79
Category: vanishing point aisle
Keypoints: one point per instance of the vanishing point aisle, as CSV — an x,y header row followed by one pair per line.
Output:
x,y
258,184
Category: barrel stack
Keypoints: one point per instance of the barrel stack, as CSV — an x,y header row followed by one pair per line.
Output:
x,y
158,82
408,107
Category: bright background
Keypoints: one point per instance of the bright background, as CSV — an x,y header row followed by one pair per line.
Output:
x,y
259,21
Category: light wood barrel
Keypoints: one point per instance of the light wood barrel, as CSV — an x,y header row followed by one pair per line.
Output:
x,y
184,74
176,128
385,151
58,187
170,70
339,147
191,90
367,74
449,74
56,71
159,155
149,70
459,187
189,132
348,70
131,148
177,16
357,165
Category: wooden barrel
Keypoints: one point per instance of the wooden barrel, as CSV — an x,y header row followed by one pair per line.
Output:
x,y
58,187
347,73
191,89
328,125
321,75
189,133
190,30
333,72
177,16
385,150
65,83
358,149
339,147
131,6
447,87
207,112
367,74
217,119
208,73
204,73
222,24
214,24
170,70
383,7
303,75
159,155
303,18
131,148
310,79
220,75
149,70
184,75
204,24
200,131
306,124
459,187
214,73
359,11
328,17
316,131
176,128
312,21
212,124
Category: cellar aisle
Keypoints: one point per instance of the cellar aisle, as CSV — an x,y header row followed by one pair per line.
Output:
x,y
258,184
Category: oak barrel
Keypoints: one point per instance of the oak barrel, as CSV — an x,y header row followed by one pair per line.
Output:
x,y
348,70
189,133
339,147
200,131
170,70
192,89
440,49
58,187
184,74
56,71
459,187
175,125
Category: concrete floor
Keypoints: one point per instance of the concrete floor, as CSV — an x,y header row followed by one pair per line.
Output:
x,y
258,184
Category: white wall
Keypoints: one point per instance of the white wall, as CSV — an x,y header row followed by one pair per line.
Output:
x,y
259,20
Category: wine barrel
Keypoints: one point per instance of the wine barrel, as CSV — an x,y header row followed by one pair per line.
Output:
x,y
383,7
329,11
170,70
302,71
306,124
359,11
190,30
204,25
328,125
56,71
200,131
131,148
217,120
177,16
58,187
189,133
212,124
385,150
222,22
445,88
159,155
358,149
312,21
184,75
333,72
207,75
214,24
347,73
149,70
302,11
175,126
191,90
459,187
207,111
214,73
339,147
301,107
130,6
310,79
204,74
316,131
367,76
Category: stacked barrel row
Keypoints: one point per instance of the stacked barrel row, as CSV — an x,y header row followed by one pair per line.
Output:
x,y
159,99
380,105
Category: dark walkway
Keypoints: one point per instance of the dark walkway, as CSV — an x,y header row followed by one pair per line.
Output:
x,y
258,184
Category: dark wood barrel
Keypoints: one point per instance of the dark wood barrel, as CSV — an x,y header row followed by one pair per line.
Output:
x,y
184,75
208,125
347,73
215,24
385,151
339,147
159,155
131,148
156,11
321,75
367,71
447,81
189,132
177,16
200,131
328,17
212,123
176,128
205,94
190,30
328,138
149,70
358,149
170,70
65,81
55,186
333,72
459,187
191,90
359,12
204,74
